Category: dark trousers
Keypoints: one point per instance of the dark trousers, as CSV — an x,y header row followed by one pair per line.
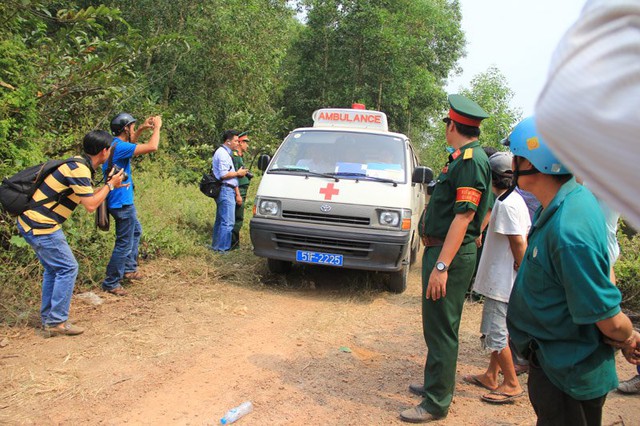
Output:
x,y
440,324
235,233
555,408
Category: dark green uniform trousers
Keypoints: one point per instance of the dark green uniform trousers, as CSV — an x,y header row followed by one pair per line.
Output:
x,y
235,233
440,323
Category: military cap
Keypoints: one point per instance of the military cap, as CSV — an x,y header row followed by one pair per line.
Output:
x,y
244,136
465,111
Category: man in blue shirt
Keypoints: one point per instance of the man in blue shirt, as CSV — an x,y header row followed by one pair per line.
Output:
x,y
223,169
564,312
124,259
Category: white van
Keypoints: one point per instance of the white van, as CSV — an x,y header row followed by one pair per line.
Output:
x,y
344,193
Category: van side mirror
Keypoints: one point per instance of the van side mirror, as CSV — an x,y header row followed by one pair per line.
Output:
x,y
422,175
263,162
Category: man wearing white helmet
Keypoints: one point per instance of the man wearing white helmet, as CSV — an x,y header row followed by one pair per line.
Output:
x,y
563,301
505,245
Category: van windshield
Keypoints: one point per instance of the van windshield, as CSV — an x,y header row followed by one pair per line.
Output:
x,y
343,154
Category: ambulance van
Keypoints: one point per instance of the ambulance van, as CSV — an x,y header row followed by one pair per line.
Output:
x,y
345,193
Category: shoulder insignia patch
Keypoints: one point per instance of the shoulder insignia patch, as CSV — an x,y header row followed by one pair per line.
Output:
x,y
468,154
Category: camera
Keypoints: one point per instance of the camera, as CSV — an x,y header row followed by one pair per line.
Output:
x,y
115,170
249,175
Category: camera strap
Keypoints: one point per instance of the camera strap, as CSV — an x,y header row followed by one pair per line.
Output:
x,y
110,161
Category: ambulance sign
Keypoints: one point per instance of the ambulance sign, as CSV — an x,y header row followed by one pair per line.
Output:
x,y
350,118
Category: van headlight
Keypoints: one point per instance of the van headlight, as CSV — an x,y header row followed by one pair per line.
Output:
x,y
389,217
268,207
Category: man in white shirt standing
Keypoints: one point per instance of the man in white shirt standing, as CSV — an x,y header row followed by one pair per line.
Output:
x,y
504,248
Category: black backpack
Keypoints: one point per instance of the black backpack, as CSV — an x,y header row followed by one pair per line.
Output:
x,y
210,185
16,191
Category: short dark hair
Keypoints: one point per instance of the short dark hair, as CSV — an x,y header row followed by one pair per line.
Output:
x,y
501,181
489,150
229,134
468,131
95,141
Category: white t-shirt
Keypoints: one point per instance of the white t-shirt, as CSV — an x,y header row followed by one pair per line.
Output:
x,y
495,274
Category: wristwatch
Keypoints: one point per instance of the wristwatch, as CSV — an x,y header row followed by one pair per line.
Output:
x,y
441,266
110,185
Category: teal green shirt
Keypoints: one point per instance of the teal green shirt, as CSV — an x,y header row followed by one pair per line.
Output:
x,y
562,289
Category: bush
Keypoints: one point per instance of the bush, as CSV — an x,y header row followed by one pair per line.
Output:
x,y
176,221
627,269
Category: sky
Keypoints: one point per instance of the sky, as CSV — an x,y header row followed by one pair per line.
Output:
x,y
516,36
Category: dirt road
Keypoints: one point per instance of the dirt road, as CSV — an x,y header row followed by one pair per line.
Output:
x,y
189,343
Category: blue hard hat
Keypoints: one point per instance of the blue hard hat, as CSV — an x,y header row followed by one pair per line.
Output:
x,y
525,141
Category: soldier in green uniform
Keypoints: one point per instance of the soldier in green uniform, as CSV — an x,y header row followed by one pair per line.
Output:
x,y
449,228
243,187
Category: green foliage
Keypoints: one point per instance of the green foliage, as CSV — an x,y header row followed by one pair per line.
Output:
x,y
627,268
219,77
491,91
67,67
391,56
177,221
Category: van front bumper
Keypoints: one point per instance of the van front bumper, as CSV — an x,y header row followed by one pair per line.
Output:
x,y
361,248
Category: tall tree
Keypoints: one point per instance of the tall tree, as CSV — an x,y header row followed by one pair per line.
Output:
x,y
392,56
220,64
60,69
491,91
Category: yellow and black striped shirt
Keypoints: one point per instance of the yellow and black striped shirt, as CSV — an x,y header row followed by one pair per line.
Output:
x,y
47,218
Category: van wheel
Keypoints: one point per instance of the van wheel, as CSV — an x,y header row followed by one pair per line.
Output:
x,y
277,266
398,280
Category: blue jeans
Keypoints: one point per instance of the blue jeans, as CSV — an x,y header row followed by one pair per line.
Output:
x,y
59,277
124,258
225,219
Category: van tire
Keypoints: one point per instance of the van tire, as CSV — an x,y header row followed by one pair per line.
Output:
x,y
277,266
398,280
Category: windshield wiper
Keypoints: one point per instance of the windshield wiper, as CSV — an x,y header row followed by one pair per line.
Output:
x,y
365,177
307,172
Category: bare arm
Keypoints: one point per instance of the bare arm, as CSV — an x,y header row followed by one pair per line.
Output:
x,y
518,246
437,286
619,333
618,327
152,145
92,202
485,222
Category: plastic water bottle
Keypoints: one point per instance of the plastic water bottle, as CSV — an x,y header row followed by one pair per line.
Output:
x,y
237,412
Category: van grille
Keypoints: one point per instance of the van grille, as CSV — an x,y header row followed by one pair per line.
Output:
x,y
325,218
301,242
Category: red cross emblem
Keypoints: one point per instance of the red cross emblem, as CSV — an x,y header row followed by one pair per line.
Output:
x,y
329,191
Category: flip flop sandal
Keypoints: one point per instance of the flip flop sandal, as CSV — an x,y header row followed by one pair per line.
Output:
x,y
473,380
504,397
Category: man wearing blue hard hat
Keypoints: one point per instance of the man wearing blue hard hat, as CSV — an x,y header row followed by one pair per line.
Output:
x,y
563,301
